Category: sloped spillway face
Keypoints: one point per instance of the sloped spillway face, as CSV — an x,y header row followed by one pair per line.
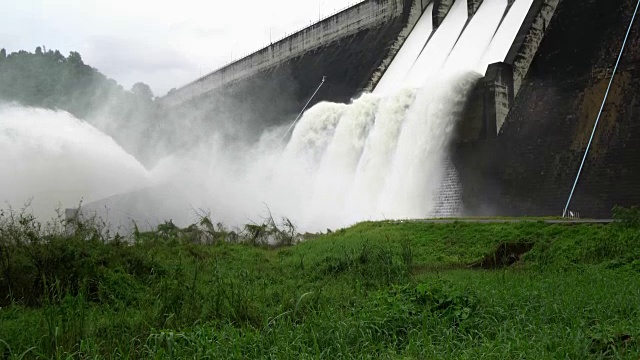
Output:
x,y
394,76
57,160
476,38
503,39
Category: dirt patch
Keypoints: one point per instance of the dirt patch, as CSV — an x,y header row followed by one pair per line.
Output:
x,y
608,347
505,255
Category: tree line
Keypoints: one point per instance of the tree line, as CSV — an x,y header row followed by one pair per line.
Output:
x,y
48,79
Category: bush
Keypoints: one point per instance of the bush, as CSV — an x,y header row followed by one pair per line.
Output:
x,y
627,217
33,257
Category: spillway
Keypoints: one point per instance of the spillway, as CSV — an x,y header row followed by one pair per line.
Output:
x,y
436,51
504,36
388,155
393,79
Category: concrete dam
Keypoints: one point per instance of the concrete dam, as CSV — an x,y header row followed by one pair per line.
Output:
x,y
519,130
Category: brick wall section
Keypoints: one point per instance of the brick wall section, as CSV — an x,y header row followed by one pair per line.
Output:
x,y
539,149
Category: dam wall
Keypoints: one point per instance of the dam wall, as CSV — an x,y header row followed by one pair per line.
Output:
x,y
371,15
530,167
536,110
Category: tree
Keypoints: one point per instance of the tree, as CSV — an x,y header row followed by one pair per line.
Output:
x,y
142,90
57,56
75,58
3,54
38,50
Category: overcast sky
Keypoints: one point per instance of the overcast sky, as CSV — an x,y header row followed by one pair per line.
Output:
x,y
162,43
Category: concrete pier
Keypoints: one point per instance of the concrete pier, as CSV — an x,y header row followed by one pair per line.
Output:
x,y
529,38
440,10
498,96
473,6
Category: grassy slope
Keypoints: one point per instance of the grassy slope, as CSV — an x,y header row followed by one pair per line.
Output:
x,y
376,290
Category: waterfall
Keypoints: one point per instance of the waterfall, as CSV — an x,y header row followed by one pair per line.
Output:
x,y
388,156
375,164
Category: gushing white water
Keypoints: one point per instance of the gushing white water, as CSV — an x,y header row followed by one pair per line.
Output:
x,y
417,166
375,164
314,132
340,161
57,160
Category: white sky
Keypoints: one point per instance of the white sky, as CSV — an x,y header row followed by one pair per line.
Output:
x,y
162,43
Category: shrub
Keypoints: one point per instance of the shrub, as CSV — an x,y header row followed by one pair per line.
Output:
x,y
627,217
32,257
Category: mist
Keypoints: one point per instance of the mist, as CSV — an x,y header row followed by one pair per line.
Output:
x,y
385,155
317,179
52,160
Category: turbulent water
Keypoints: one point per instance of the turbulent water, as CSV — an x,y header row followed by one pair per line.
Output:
x,y
52,160
385,155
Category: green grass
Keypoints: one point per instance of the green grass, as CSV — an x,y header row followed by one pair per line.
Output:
x,y
375,290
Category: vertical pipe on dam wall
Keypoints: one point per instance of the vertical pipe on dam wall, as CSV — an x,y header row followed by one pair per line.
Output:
x,y
440,10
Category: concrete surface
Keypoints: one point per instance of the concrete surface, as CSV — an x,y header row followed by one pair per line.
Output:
x,y
363,16
531,167
440,10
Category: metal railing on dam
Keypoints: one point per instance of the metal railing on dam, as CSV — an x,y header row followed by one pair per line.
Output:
x,y
365,15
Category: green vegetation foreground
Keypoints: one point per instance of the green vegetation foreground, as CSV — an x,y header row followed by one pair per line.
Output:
x,y
376,290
